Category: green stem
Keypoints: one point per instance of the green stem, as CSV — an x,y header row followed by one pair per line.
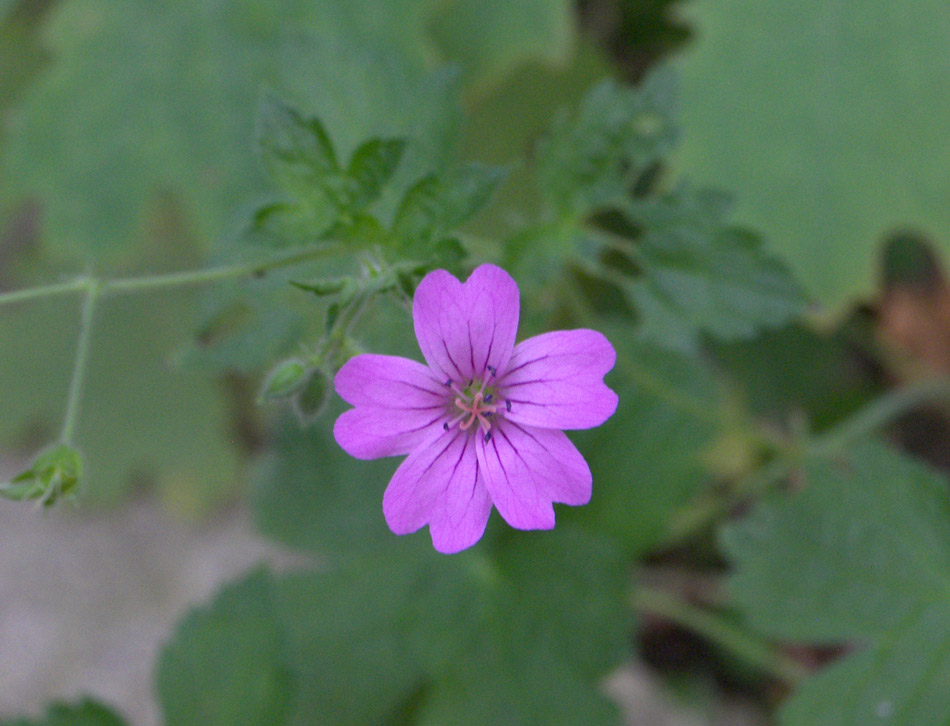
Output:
x,y
875,416
146,283
82,357
44,291
879,413
718,630
214,274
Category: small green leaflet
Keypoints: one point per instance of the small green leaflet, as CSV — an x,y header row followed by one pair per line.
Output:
x,y
684,269
299,156
861,554
593,158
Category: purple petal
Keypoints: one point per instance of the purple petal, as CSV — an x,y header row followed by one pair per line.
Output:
x,y
555,380
465,329
388,381
371,432
440,484
398,404
527,469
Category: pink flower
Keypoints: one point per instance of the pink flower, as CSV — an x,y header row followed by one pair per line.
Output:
x,y
481,422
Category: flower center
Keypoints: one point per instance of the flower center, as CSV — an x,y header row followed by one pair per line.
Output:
x,y
474,403
478,409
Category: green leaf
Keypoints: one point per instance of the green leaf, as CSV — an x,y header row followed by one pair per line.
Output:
x,y
862,552
362,636
226,663
490,38
371,167
86,713
298,155
647,459
312,495
827,158
699,275
415,633
172,115
593,158
437,205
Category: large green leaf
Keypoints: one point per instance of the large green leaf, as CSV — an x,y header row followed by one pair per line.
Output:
x,y
684,268
491,38
172,112
826,124
227,663
861,553
86,713
647,459
701,275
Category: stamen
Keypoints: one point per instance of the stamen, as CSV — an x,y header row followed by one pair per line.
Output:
x,y
508,405
445,426
493,371
489,397
487,436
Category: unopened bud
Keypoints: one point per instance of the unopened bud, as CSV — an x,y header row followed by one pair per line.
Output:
x,y
312,398
54,475
284,379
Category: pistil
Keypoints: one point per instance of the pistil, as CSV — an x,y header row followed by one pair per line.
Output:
x,y
478,410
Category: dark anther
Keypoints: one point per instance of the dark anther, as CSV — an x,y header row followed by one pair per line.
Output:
x,y
492,370
448,382
446,426
487,436
508,405
487,414
488,398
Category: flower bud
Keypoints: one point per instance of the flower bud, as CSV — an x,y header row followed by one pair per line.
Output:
x,y
54,475
312,398
284,379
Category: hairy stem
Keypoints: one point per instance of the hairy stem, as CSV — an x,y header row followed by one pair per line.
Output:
x,y
148,283
44,291
92,288
130,285
719,631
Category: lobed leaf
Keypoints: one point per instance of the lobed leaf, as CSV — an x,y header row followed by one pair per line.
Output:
x,y
227,664
862,554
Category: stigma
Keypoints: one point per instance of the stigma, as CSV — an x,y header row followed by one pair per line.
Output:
x,y
472,405
478,409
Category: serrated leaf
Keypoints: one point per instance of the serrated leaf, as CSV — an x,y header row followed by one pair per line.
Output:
x,y
173,111
296,150
226,664
862,552
282,224
829,157
437,205
371,166
699,275
593,158
298,154
85,713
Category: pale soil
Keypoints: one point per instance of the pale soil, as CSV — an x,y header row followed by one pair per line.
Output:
x,y
88,598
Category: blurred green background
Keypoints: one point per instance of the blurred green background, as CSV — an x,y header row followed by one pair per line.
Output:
x,y
127,147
